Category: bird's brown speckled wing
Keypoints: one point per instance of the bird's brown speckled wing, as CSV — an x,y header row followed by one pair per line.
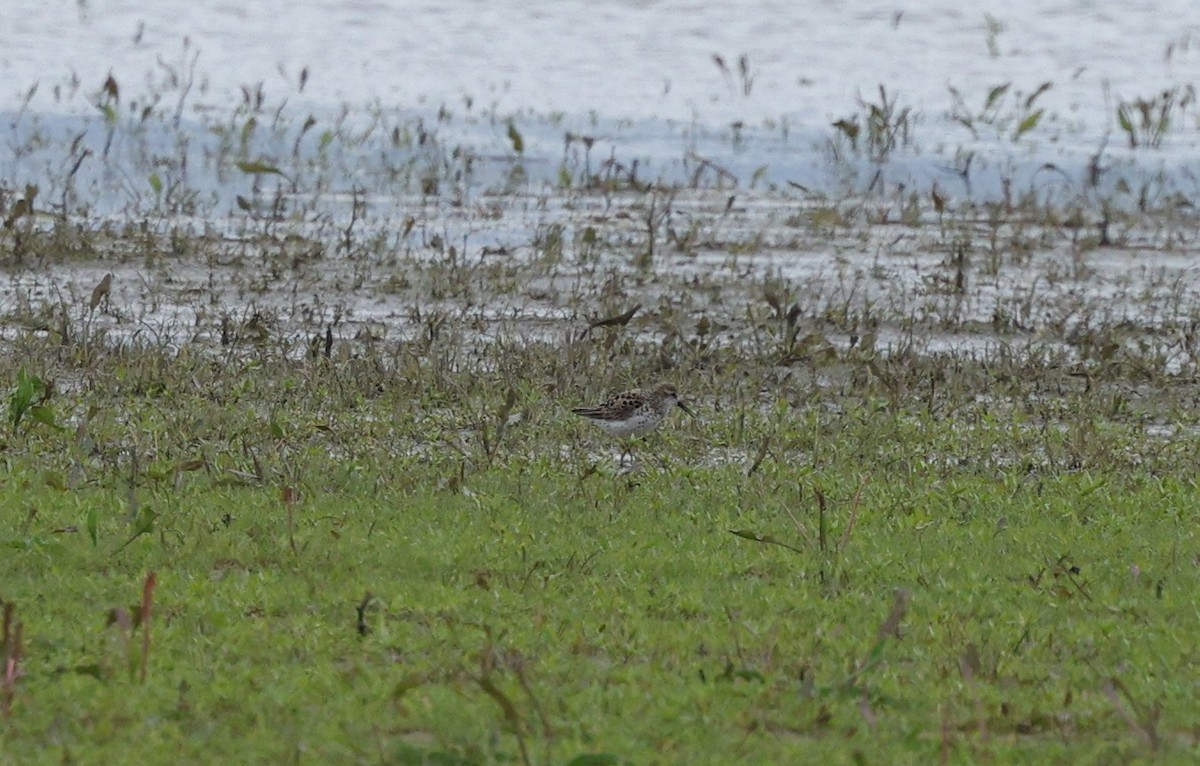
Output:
x,y
617,407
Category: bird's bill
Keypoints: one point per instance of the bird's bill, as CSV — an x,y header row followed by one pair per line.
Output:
x,y
686,409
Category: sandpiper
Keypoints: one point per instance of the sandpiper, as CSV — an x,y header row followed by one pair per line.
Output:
x,y
634,412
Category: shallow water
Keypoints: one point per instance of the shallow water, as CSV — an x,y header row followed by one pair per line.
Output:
x,y
898,286
640,80
639,75
633,59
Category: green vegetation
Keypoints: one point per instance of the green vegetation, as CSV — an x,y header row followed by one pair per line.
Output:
x,y
291,475
383,560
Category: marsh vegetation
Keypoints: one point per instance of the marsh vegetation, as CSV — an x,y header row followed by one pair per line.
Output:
x,y
291,475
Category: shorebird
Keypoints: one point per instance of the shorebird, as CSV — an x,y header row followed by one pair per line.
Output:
x,y
634,412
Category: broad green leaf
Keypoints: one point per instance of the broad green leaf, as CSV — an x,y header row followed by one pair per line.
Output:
x,y
43,414
28,386
257,167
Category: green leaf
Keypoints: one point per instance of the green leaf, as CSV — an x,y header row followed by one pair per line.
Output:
x,y
1040,90
1029,123
28,386
994,95
514,135
93,526
43,414
257,167
248,129
156,183
1123,119
145,522
143,525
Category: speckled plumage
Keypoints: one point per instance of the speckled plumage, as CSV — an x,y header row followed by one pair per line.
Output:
x,y
635,412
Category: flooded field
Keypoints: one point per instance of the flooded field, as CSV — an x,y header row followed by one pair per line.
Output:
x,y
702,266
299,301
225,172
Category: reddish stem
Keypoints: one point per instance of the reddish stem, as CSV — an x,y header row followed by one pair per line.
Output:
x,y
147,603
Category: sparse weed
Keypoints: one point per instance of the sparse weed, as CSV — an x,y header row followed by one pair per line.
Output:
x,y
1146,122
883,127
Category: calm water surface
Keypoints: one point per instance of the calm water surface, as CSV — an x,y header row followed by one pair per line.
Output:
x,y
641,74
618,58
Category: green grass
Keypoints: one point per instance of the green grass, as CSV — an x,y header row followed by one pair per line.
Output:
x,y
338,434
536,615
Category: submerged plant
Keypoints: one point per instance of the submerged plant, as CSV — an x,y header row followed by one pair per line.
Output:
x,y
1147,121
883,127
